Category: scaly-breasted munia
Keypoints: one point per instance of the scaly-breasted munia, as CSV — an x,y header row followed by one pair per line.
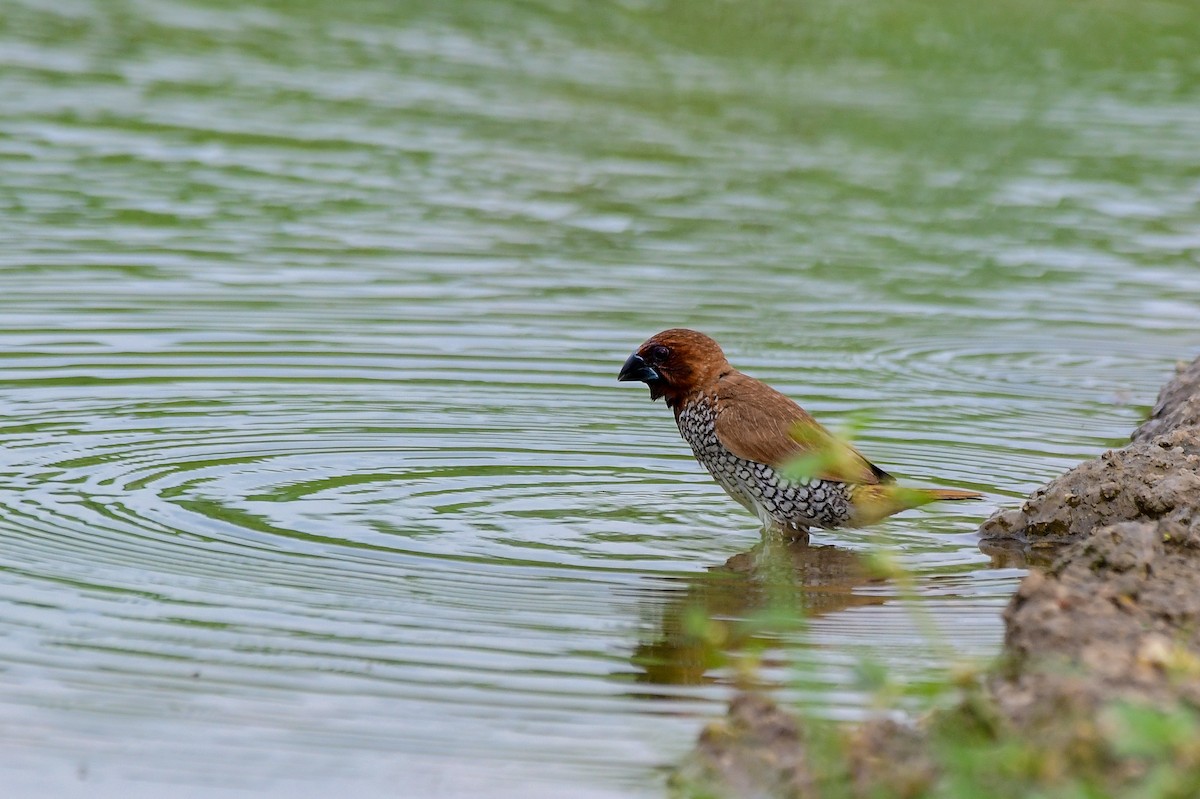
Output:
x,y
744,432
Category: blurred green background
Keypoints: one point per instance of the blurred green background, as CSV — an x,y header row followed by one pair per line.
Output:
x,y
314,473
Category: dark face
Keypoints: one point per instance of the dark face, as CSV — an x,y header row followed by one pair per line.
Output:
x,y
651,365
675,363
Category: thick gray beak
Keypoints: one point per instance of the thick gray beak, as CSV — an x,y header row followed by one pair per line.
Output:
x,y
636,368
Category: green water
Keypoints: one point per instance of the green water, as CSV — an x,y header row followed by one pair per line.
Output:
x,y
314,472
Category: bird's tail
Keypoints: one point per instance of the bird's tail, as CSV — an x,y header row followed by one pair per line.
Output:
x,y
951,494
874,502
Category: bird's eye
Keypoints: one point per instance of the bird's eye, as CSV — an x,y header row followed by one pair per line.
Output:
x,y
659,353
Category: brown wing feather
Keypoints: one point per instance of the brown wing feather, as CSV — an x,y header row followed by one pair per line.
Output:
x,y
757,423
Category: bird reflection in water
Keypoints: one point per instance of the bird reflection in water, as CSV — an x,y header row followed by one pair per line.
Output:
x,y
704,621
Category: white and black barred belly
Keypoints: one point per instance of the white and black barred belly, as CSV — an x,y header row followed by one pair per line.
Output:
x,y
758,487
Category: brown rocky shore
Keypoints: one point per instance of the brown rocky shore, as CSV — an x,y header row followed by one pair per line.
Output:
x,y
1097,689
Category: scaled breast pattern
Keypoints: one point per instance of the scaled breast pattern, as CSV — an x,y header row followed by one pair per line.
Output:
x,y
758,487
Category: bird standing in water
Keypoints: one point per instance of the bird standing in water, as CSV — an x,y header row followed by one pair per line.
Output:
x,y
744,433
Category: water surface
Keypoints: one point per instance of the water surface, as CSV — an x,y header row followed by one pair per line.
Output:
x,y
314,473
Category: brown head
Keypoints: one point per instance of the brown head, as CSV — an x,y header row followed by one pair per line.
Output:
x,y
675,363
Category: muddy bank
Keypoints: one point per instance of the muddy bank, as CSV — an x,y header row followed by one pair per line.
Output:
x,y
1156,477
1113,622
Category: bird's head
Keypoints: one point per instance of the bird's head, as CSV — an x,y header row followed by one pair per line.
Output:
x,y
674,363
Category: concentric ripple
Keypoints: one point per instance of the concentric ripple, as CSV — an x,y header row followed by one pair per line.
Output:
x,y
314,473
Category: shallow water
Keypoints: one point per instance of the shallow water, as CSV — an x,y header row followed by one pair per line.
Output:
x,y
315,473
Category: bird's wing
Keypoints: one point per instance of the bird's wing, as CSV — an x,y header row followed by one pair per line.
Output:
x,y
757,423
